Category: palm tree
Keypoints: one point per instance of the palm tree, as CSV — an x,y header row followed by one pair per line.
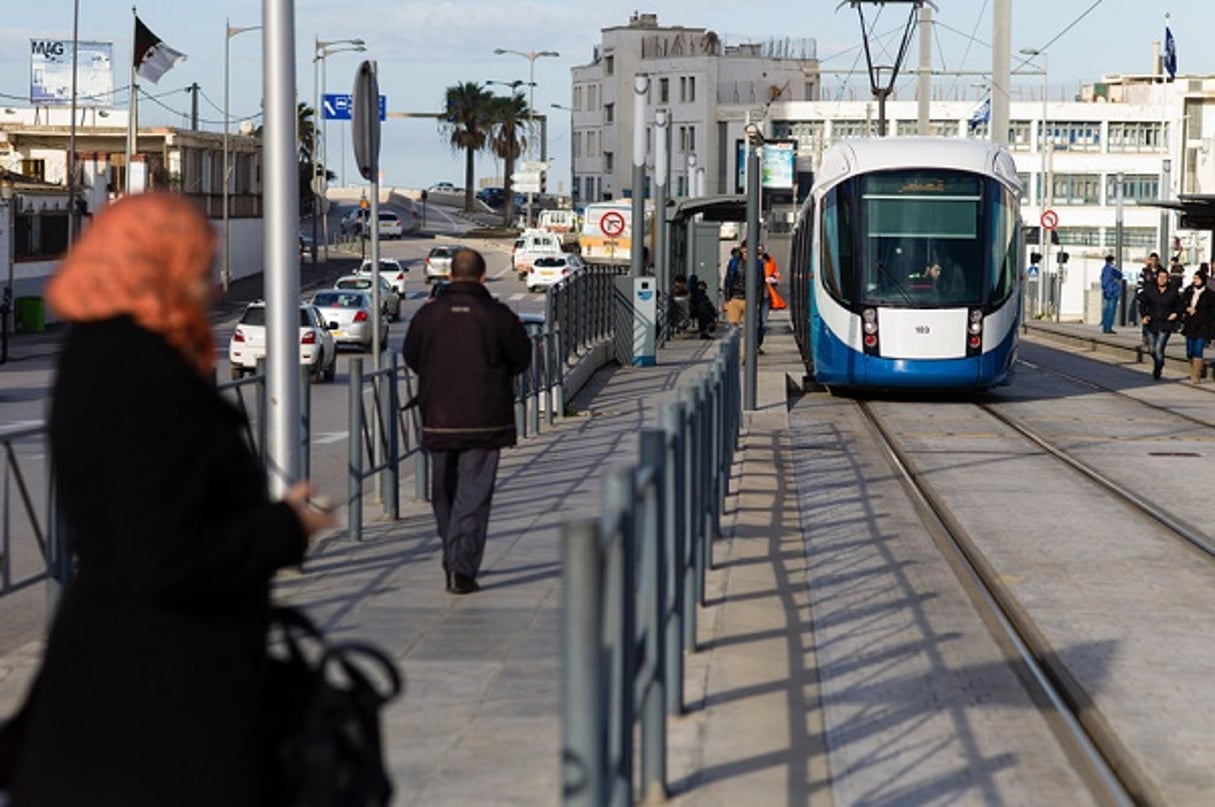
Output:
x,y
467,126
508,143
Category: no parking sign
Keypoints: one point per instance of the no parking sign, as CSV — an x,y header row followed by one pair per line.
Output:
x,y
611,224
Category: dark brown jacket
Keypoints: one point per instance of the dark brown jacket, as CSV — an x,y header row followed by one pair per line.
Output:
x,y
466,347
151,688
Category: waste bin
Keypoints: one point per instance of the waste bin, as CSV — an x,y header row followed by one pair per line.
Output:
x,y
29,315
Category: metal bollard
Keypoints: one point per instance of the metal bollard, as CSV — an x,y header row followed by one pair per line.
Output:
x,y
655,565
354,509
676,543
305,424
392,473
583,710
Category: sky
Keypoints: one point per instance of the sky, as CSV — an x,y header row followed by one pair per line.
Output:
x,y
423,47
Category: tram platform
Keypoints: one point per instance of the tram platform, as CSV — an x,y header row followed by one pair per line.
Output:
x,y
1125,346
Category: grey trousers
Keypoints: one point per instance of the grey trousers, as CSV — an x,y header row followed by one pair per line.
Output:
x,y
463,487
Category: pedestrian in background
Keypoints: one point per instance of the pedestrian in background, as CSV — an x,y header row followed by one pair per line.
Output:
x,y
1198,303
152,689
1111,290
1147,276
1160,308
734,287
769,275
466,348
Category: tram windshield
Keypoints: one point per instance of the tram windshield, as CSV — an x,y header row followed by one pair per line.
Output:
x,y
921,238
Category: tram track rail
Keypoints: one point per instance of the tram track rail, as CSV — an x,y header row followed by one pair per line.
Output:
x,y
1188,532
1086,382
1112,772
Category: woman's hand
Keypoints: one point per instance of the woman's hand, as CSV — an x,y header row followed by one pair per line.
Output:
x,y
314,513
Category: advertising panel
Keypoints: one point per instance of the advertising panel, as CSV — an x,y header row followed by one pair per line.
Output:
x,y
776,164
51,73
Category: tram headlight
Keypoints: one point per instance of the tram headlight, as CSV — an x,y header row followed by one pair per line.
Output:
x,y
869,321
976,322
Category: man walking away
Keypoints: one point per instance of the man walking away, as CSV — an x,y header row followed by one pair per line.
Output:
x,y
1111,290
1147,276
466,347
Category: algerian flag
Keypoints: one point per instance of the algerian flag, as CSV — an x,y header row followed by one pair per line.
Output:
x,y
153,58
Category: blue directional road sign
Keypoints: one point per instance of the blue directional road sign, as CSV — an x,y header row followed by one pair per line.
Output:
x,y
336,106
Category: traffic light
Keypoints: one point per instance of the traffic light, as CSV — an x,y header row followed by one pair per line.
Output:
x,y
543,182
1054,237
1035,259
1063,256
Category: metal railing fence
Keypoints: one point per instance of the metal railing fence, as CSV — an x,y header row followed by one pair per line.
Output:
x,y
632,582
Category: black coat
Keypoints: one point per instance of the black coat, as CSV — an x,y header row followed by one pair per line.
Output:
x,y
1200,324
150,688
466,347
1157,305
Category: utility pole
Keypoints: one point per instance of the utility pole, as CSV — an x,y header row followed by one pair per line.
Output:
x,y
1001,53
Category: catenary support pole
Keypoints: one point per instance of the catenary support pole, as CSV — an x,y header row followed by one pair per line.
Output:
x,y
641,87
751,273
1001,53
660,200
282,243
924,79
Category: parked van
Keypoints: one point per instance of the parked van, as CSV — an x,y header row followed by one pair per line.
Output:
x,y
558,221
534,244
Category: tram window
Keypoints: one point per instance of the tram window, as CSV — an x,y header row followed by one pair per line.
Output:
x,y
1004,245
837,247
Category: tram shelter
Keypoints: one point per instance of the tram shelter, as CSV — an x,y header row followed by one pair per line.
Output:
x,y
1197,212
694,227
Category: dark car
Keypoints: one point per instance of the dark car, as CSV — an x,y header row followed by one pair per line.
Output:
x,y
494,197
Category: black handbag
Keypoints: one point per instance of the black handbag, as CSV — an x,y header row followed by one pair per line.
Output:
x,y
325,702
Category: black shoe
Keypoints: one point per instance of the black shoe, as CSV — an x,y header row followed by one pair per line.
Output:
x,y
1110,331
447,575
1156,370
462,585
705,336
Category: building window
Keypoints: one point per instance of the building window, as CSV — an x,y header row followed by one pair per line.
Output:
x,y
609,164
649,140
41,234
34,169
691,139
691,89
1076,189
843,129
1141,237
1020,135
609,65
1024,180
590,190
591,104
1080,236
683,88
664,90
577,144
681,185
1135,188
807,134
577,98
1074,135
609,113
1138,136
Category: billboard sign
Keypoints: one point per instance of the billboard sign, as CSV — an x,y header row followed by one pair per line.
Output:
x,y
51,73
776,165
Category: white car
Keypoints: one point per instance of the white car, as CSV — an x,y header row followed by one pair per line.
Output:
x,y
348,313
391,270
546,270
318,352
438,261
391,225
390,301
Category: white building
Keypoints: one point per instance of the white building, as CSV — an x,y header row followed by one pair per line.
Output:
x,y
693,73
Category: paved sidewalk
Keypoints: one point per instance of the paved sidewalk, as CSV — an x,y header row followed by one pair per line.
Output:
x,y
480,719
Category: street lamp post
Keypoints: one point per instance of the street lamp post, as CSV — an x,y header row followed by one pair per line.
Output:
x,y
573,173
320,51
1043,181
229,32
531,57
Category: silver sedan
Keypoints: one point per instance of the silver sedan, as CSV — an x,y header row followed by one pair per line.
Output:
x,y
348,313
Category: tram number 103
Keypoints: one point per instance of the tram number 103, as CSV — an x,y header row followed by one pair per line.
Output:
x,y
923,329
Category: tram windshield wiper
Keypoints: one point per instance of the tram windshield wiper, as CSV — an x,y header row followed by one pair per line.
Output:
x,y
885,272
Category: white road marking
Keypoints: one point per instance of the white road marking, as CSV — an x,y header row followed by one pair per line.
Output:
x,y
328,438
517,296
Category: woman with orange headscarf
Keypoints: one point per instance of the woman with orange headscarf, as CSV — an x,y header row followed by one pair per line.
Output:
x,y
151,687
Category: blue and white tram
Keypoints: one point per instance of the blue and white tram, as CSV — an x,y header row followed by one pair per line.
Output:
x,y
905,265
